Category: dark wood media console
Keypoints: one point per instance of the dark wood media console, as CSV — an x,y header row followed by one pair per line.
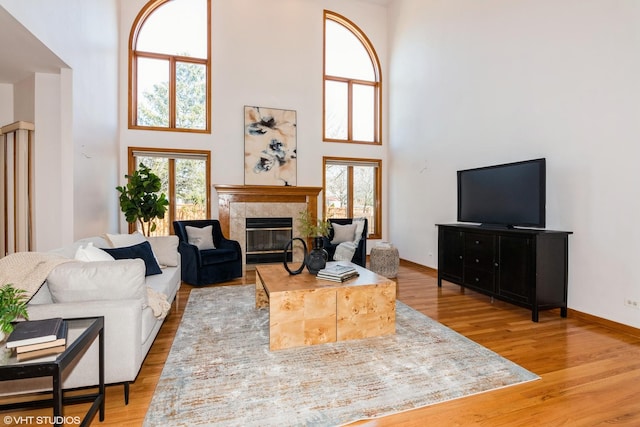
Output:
x,y
527,267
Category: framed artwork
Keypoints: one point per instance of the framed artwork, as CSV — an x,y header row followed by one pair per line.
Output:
x,y
270,153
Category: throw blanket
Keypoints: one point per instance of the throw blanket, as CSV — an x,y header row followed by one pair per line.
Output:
x,y
28,270
158,303
345,251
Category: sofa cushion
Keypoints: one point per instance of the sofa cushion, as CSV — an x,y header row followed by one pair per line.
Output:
x,y
91,253
343,233
97,281
202,238
142,251
216,256
165,283
165,249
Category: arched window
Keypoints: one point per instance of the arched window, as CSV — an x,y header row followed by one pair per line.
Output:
x,y
352,84
169,66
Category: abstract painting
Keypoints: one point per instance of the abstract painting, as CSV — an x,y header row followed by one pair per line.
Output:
x,y
270,156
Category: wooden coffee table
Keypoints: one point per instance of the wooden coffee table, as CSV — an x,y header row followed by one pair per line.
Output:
x,y
305,310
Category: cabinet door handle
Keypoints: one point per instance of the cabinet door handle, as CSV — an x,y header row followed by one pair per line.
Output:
x,y
477,242
495,264
477,279
460,257
477,260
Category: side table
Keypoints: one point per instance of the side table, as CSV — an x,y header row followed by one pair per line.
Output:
x,y
384,260
86,330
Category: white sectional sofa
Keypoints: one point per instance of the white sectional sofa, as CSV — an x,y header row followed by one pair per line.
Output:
x,y
116,290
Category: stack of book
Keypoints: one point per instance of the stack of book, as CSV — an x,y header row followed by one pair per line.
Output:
x,y
38,338
338,273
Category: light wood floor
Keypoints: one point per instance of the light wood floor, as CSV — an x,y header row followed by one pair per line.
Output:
x,y
590,373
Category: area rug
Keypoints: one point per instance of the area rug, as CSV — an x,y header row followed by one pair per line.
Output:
x,y
220,370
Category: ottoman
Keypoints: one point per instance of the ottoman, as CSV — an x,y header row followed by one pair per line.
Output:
x,y
384,260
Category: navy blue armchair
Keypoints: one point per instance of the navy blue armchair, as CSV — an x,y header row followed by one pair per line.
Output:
x,y
203,267
360,255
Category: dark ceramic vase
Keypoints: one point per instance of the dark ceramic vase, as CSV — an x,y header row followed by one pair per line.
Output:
x,y
317,257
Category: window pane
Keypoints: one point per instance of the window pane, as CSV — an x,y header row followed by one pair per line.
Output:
x,y
153,92
178,27
191,189
191,96
345,56
160,167
336,111
363,113
336,191
364,194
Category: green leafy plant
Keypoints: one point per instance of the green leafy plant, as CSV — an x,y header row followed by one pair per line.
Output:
x,y
13,304
140,201
313,227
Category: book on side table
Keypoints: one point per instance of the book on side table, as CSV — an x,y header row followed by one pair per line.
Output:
x,y
61,340
34,332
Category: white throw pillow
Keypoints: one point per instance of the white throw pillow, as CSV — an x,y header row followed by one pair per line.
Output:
x,y
90,253
343,233
98,281
201,237
359,222
124,240
165,249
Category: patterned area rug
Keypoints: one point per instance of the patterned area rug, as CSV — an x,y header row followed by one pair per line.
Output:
x,y
220,370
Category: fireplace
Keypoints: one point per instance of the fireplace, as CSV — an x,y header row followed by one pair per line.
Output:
x,y
266,239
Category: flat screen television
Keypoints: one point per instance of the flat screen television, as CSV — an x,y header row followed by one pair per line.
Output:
x,y
506,195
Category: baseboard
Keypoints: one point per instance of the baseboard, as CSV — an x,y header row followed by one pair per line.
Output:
x,y
610,324
418,266
574,314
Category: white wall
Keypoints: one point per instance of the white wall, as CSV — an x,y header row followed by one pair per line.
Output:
x,y
265,54
480,83
84,34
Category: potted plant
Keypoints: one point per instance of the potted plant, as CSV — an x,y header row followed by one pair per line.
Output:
x,y
314,228
13,304
140,201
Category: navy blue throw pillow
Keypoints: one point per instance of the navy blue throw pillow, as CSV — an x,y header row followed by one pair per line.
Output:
x,y
142,251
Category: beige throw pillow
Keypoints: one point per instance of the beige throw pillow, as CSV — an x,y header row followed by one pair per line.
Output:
x,y
202,238
124,240
165,249
343,233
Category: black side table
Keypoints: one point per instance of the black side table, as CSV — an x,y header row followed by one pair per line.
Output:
x,y
88,329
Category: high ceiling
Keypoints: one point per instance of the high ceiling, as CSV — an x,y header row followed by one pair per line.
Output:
x,y
22,53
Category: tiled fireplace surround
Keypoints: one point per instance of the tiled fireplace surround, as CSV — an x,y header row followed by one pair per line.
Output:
x,y
236,203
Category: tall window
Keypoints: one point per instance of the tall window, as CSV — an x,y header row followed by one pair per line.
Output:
x,y
169,60
352,189
185,180
352,83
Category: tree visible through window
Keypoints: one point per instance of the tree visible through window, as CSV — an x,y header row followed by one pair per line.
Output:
x,y
185,181
352,94
352,189
169,60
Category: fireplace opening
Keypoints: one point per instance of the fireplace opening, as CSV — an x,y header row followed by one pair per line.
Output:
x,y
266,239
